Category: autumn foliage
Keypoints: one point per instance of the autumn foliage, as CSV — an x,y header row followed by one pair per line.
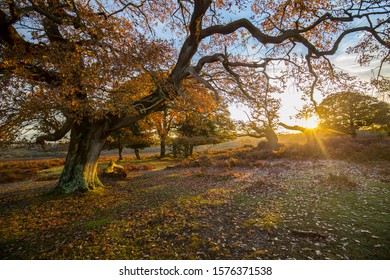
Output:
x,y
87,69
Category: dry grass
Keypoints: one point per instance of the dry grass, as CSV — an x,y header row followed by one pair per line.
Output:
x,y
13,171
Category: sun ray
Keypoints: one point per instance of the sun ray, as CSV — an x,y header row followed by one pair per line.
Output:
x,y
311,122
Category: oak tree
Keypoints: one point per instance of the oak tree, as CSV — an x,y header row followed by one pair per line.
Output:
x,y
264,113
75,55
202,128
137,137
350,111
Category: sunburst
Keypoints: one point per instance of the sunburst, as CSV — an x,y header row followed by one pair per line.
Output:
x,y
311,122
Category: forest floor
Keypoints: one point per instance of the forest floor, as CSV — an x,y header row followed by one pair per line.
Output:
x,y
273,209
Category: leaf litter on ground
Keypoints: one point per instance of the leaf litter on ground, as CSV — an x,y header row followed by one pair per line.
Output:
x,y
281,209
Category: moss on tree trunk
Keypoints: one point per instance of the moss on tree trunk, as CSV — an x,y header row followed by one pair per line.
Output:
x,y
80,170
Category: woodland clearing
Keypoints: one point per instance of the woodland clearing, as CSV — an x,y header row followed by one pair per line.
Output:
x,y
268,209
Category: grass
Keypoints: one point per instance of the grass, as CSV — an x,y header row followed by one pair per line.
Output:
x,y
97,224
354,216
52,173
275,209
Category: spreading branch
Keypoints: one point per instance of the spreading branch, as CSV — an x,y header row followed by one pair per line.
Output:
x,y
294,127
57,135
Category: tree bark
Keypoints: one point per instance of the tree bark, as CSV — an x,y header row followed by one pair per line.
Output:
x,y
163,147
80,170
136,151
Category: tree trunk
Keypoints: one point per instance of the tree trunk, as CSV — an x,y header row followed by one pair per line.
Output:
x,y
80,170
269,134
272,139
162,147
175,149
188,149
120,150
352,127
136,151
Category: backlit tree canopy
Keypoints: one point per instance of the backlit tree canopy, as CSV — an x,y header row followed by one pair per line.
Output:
x,y
350,111
94,65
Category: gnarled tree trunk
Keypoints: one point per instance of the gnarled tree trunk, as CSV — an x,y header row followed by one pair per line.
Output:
x,y
80,170
120,147
272,139
267,133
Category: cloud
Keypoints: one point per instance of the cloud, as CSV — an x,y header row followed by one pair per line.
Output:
x,y
349,64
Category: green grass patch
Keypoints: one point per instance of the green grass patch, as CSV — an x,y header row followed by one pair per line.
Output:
x,y
52,173
97,224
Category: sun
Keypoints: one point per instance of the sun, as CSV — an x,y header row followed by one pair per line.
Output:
x,y
311,122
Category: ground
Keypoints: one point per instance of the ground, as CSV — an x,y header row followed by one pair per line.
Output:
x,y
269,209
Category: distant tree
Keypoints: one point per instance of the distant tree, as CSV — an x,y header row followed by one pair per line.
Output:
x,y
163,122
114,141
139,139
136,137
198,101
382,116
7,136
201,129
382,85
263,120
349,111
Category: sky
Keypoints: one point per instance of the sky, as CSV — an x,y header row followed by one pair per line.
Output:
x,y
291,101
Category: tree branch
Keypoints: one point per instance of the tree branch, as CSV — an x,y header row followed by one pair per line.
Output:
x,y
57,135
293,34
208,59
195,74
295,127
254,135
190,45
